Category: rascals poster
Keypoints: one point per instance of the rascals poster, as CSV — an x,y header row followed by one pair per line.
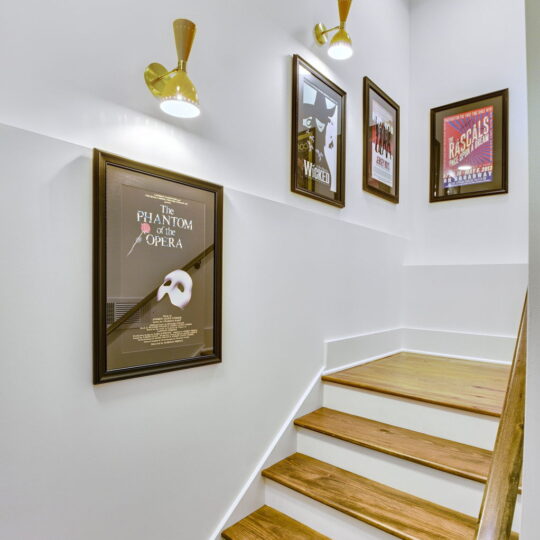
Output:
x,y
468,148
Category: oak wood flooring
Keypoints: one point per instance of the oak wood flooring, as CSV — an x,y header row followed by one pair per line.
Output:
x,y
477,387
396,512
448,456
269,524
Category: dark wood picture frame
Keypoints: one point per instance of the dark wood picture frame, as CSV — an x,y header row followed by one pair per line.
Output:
x,y
370,184
499,99
339,200
102,373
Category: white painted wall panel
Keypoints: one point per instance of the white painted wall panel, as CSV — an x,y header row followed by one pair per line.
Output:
x,y
161,456
461,49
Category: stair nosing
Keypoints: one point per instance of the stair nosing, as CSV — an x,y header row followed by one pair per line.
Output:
x,y
441,403
226,533
374,522
398,454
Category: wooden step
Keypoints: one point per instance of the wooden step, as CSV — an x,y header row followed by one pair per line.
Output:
x,y
269,524
477,387
383,507
448,456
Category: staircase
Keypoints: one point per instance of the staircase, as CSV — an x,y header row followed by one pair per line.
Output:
x,y
402,447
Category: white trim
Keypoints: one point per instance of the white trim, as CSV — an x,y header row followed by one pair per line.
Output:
x,y
459,357
415,351
367,334
466,265
466,345
457,332
360,362
354,350
217,532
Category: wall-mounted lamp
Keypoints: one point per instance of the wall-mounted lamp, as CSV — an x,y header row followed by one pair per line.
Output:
x,y
174,89
340,46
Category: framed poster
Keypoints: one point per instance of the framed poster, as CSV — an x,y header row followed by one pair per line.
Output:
x,y
381,143
318,136
469,148
157,270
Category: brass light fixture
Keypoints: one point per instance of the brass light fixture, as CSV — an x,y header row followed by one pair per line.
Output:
x,y
340,47
174,89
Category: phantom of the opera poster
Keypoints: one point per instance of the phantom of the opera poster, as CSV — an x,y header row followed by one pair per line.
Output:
x,y
158,302
318,141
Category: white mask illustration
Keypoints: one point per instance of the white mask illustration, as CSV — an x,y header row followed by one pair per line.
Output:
x,y
178,285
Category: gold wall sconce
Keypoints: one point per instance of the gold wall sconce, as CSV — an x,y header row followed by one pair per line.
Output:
x,y
340,47
176,93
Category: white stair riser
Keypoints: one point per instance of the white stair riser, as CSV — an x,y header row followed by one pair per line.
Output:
x,y
318,516
453,424
442,488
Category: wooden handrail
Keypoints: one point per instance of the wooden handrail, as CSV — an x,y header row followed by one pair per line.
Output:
x,y
498,504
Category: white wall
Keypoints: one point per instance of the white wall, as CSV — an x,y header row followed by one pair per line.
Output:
x,y
483,299
466,262
160,456
461,49
80,68
165,456
531,471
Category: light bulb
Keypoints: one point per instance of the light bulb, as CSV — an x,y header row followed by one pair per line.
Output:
x,y
180,108
340,51
341,45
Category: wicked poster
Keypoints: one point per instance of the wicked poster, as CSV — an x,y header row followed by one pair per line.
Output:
x,y
318,138
157,270
469,148
381,143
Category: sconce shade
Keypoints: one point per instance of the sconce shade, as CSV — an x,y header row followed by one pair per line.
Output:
x,y
344,7
340,47
179,97
174,90
184,35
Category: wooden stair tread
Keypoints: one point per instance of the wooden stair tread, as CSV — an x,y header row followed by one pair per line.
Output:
x,y
449,456
269,524
388,509
477,387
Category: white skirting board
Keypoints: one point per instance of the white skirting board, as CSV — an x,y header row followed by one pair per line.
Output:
x,y
479,347
349,352
355,350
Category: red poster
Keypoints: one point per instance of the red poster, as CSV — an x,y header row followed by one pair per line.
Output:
x,y
468,148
